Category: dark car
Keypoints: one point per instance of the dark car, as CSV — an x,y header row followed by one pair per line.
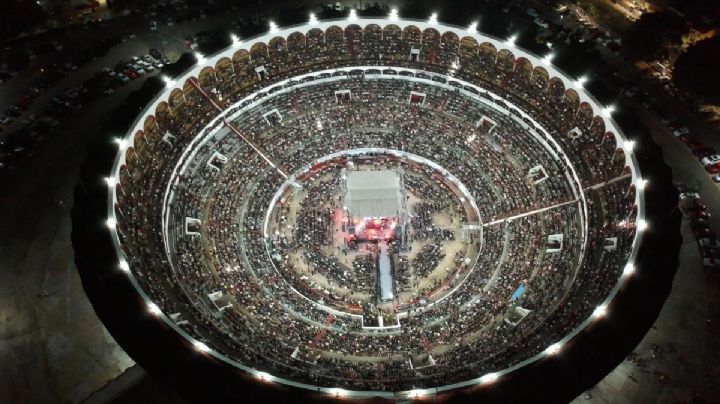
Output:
x,y
704,233
710,252
713,168
703,151
155,53
698,223
698,214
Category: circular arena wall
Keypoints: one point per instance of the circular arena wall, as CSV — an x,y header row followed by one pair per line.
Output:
x,y
177,87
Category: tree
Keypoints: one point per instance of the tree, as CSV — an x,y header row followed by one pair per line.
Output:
x,y
651,36
697,70
20,16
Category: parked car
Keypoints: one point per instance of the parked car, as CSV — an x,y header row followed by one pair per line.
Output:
x,y
693,206
704,233
541,23
681,131
710,252
698,214
155,53
708,243
698,222
689,196
710,160
704,151
711,263
713,168
716,178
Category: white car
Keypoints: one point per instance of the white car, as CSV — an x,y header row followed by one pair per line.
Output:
x,y
681,131
716,178
689,195
710,160
708,242
541,23
711,263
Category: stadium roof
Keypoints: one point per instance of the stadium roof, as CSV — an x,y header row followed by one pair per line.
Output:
x,y
373,193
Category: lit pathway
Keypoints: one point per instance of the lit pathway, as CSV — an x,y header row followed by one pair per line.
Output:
x,y
532,212
234,129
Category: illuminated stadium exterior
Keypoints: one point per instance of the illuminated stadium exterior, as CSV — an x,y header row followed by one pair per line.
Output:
x,y
401,70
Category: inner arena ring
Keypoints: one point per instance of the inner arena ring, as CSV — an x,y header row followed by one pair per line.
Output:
x,y
274,79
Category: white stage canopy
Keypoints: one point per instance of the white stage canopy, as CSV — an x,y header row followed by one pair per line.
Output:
x,y
373,193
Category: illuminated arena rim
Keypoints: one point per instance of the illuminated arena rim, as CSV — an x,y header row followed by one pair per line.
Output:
x,y
545,62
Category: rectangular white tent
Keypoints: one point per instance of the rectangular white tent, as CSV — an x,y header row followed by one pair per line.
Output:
x,y
373,193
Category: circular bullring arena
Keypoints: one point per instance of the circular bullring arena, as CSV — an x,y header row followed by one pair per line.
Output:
x,y
376,207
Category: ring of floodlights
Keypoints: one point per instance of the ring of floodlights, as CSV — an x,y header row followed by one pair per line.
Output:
x,y
536,129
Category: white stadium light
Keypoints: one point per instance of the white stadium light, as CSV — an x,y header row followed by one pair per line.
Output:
x,y
511,41
489,378
273,26
168,81
200,346
353,15
264,376
607,111
600,311
122,143
548,59
641,225
472,28
629,145
235,40
338,392
629,269
110,223
153,308
313,19
124,266
580,81
393,16
553,349
416,393
433,20
641,183
200,58
111,182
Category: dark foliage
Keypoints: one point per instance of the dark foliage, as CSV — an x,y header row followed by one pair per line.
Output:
x,y
698,70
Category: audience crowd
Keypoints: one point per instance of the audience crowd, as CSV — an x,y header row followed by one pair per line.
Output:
x,y
232,286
